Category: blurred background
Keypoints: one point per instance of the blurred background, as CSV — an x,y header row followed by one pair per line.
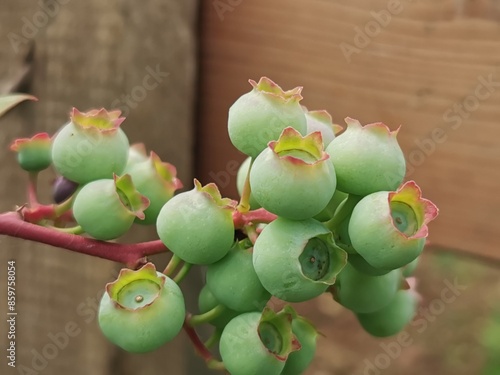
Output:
x,y
175,67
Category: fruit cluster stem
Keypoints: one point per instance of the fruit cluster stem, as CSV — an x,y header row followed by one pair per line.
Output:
x,y
32,189
13,225
195,320
182,272
261,215
201,349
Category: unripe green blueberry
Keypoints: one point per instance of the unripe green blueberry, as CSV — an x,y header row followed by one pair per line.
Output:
x,y
240,182
321,121
392,318
207,301
410,268
358,262
91,146
106,209
157,181
141,310
297,260
388,229
260,116
136,154
363,293
233,280
367,158
307,335
257,343
293,177
197,225
33,154
328,212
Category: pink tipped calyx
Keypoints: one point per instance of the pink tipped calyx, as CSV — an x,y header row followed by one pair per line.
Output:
x,y
167,172
414,211
268,87
292,146
134,201
38,141
212,192
276,328
99,119
378,128
133,290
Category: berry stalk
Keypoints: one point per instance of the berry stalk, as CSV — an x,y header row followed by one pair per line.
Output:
x,y
201,349
12,224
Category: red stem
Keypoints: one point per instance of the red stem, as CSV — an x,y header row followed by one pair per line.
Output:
x,y
199,346
252,217
11,224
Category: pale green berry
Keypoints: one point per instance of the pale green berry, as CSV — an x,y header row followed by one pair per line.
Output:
x,y
364,293
293,177
142,310
157,181
106,209
297,260
257,343
233,280
197,225
389,229
33,154
91,146
367,158
392,318
260,116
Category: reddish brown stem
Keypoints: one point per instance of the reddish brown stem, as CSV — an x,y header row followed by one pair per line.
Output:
x,y
252,217
11,224
32,189
200,347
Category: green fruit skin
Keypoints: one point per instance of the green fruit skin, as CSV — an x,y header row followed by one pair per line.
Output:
x,y
257,118
366,161
234,283
98,210
195,229
298,361
136,154
242,351
240,182
410,268
313,125
34,159
149,183
276,259
84,155
327,213
393,318
363,266
147,328
362,293
207,301
376,239
290,189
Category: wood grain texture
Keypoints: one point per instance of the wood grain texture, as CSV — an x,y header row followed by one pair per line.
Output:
x,y
91,54
424,67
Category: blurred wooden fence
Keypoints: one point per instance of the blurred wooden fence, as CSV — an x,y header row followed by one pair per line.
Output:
x,y
431,65
140,58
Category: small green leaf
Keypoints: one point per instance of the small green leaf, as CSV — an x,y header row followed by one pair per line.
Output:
x,y
10,101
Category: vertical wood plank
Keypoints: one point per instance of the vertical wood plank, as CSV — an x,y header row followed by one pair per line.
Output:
x,y
92,54
422,64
